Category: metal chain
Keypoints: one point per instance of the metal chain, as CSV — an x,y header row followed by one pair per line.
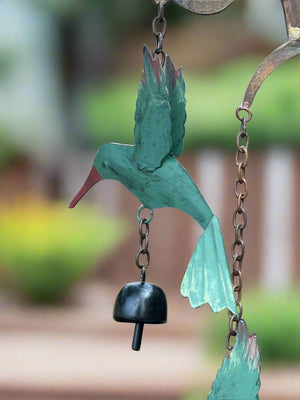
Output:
x,y
159,28
143,244
239,220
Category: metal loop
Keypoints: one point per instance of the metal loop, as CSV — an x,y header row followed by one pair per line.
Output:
x,y
238,257
238,234
146,221
233,248
243,194
162,21
239,294
144,243
143,222
240,307
233,319
242,150
243,131
232,332
240,202
137,259
238,288
236,269
237,273
241,173
247,110
229,347
246,140
159,43
242,225
161,10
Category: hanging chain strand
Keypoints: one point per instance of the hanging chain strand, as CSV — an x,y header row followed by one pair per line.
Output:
x,y
159,28
143,244
239,221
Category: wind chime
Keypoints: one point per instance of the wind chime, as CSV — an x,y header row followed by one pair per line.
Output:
x,y
150,170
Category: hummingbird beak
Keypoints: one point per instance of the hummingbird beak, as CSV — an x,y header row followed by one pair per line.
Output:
x,y
91,180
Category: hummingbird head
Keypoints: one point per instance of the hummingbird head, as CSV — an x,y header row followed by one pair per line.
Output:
x,y
100,170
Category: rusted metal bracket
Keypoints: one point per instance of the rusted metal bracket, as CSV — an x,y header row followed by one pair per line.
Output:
x,y
283,53
204,6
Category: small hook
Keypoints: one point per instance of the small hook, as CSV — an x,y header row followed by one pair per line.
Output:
x,y
160,2
283,53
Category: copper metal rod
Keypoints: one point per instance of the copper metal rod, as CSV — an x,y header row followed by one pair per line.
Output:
x,y
283,53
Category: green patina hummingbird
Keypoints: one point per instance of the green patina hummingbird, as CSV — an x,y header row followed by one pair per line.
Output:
x,y
149,169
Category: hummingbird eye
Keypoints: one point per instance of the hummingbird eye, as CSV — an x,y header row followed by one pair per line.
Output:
x,y
104,164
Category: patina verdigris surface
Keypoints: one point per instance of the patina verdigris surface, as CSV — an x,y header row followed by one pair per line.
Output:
x,y
239,376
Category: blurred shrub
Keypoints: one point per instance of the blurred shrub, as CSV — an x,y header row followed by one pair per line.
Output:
x,y
8,149
45,247
107,111
197,395
129,14
275,319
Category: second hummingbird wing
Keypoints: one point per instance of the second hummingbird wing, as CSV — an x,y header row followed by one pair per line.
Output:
x,y
152,130
176,88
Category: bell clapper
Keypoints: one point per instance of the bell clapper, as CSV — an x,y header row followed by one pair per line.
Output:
x,y
137,336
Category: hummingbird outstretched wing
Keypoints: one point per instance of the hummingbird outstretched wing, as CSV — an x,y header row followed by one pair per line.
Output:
x,y
152,132
239,376
176,88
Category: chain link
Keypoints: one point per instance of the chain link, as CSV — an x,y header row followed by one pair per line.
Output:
x,y
159,29
239,220
143,244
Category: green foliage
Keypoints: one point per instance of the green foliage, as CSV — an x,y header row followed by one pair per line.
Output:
x,y
108,111
130,14
274,317
8,149
45,247
197,395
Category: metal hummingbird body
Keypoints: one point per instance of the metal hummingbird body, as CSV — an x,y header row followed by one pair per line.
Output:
x,y
149,169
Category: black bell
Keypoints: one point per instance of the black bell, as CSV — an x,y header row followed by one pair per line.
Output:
x,y
142,303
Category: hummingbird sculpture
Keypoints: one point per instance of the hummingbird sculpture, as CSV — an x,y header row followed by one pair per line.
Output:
x,y
149,169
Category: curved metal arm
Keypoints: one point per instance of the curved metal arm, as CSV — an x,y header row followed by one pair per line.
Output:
x,y
204,6
283,53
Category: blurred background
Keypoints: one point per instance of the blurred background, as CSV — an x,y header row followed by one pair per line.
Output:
x,y
69,72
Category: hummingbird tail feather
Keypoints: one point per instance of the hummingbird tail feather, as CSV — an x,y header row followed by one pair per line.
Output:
x,y
207,278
